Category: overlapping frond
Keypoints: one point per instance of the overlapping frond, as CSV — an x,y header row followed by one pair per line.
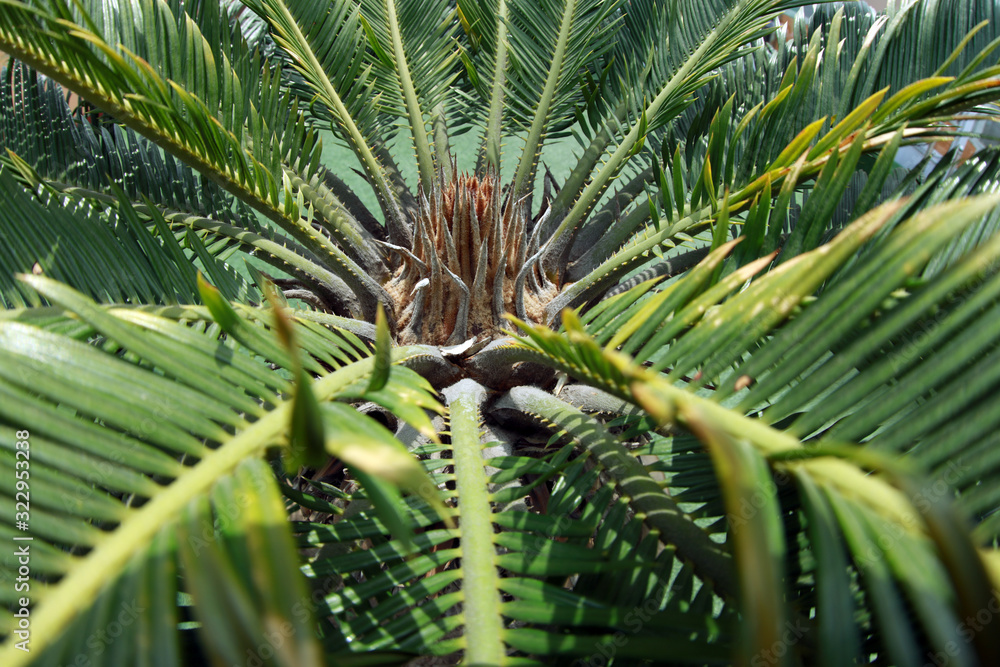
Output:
x,y
116,259
326,44
919,40
203,122
145,459
781,352
89,158
802,82
415,67
452,592
171,503
85,149
225,116
709,39
772,149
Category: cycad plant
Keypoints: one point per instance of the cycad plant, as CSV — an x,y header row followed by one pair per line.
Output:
x,y
674,363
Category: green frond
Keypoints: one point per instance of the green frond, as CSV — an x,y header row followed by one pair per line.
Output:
x,y
710,35
121,259
157,506
86,150
103,167
210,123
803,81
134,93
753,465
326,47
550,44
831,160
416,66
667,521
531,615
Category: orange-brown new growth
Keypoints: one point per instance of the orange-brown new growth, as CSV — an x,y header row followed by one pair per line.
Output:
x,y
464,270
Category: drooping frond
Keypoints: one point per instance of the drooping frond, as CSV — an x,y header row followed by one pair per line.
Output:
x,y
86,150
225,116
89,158
148,457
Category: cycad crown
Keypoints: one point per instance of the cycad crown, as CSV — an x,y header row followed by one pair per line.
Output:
x,y
605,419
467,267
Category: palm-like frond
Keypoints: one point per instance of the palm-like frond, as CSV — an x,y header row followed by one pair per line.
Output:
x,y
776,361
117,260
550,43
212,124
69,162
800,94
150,104
416,66
117,171
240,415
150,459
710,35
554,544
329,54
75,149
